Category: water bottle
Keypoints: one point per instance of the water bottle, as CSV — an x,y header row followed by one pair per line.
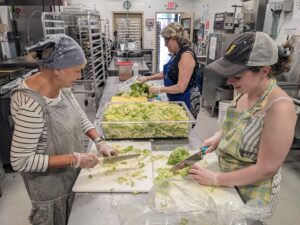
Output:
x,y
135,69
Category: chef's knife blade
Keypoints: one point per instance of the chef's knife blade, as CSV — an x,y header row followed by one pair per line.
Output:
x,y
190,160
187,162
113,159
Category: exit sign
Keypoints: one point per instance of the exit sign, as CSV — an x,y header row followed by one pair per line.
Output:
x,y
171,5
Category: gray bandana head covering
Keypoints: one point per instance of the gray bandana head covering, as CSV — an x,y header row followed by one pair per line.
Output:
x,y
64,52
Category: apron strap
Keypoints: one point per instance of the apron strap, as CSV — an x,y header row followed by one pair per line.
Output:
x,y
276,100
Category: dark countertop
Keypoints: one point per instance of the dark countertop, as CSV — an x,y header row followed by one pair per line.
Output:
x,y
139,60
19,62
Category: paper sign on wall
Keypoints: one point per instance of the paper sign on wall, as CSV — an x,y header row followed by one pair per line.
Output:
x,y
149,24
212,48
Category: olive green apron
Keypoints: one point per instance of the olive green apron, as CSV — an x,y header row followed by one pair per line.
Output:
x,y
230,158
51,191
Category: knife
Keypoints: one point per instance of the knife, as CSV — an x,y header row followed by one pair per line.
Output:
x,y
190,160
113,159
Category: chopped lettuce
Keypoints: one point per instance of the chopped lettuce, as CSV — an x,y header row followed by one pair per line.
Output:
x,y
145,120
165,173
177,155
138,89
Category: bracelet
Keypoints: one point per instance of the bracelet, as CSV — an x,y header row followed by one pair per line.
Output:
x,y
97,140
216,180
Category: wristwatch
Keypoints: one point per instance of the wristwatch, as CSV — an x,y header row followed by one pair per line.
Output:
x,y
97,140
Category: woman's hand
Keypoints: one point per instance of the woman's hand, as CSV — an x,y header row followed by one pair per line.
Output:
x,y
212,142
142,79
204,176
154,90
106,149
85,160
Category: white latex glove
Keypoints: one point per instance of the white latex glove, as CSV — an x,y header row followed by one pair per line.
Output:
x,y
154,90
204,176
212,142
106,149
85,160
142,79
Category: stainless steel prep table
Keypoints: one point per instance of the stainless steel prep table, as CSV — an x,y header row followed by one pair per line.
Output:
x,y
95,208
113,70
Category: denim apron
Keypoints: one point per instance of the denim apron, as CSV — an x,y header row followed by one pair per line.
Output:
x,y
186,96
51,191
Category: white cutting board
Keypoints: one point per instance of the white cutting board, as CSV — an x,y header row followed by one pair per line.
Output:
x,y
194,191
108,179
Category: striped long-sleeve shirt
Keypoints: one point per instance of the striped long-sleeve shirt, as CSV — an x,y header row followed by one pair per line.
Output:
x,y
30,134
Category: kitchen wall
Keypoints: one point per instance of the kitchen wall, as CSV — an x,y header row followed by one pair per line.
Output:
x,y
208,9
149,7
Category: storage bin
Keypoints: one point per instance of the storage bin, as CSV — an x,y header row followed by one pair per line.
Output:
x,y
146,120
125,70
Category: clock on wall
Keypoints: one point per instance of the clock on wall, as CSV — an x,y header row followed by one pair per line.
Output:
x,y
127,5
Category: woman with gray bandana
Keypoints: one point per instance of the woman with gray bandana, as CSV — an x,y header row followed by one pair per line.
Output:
x,y
47,146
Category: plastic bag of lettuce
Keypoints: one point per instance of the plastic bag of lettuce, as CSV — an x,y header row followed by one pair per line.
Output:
x,y
136,89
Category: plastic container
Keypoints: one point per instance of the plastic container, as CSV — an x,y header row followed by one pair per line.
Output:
x,y
116,126
135,69
125,70
223,105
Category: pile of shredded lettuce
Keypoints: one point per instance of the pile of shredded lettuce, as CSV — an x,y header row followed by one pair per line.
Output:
x,y
138,89
145,120
177,155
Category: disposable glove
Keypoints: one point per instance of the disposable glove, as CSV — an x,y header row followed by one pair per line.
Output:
x,y
204,176
106,149
142,79
154,90
85,160
212,142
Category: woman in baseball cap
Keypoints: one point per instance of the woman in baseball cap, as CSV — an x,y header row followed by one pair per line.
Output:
x,y
258,129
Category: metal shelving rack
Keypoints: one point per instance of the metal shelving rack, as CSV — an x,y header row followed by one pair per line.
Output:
x,y
53,23
129,30
85,27
94,73
106,43
158,31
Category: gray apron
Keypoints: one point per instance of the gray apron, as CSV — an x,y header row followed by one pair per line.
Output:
x,y
51,191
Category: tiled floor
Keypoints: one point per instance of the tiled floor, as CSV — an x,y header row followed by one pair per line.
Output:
x,y
15,205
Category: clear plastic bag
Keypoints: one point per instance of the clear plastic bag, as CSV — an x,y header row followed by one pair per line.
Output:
x,y
172,202
125,86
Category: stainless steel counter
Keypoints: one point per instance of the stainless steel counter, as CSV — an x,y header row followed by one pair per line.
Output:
x,y
95,208
113,68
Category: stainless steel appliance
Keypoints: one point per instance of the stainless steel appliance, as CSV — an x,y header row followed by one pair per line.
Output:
x,y
215,88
